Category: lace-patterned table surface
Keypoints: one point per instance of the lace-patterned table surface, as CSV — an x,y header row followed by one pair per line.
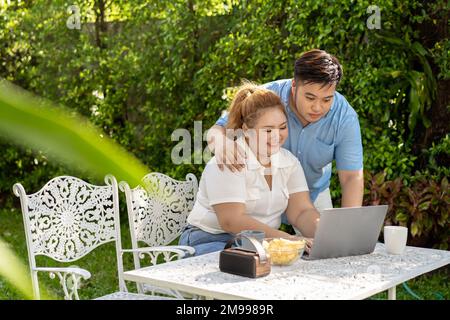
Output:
x,y
355,277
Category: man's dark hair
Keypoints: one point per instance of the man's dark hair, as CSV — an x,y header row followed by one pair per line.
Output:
x,y
317,66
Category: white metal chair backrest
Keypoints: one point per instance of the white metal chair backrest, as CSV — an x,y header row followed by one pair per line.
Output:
x,y
158,210
68,218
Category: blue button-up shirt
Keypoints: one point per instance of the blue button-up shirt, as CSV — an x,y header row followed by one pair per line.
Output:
x,y
336,136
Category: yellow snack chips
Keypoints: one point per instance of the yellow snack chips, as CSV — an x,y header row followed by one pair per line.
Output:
x,y
283,251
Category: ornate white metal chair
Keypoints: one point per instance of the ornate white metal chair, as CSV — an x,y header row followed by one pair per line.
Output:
x,y
66,220
157,214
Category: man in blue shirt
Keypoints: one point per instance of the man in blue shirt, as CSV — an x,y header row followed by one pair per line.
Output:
x,y
322,127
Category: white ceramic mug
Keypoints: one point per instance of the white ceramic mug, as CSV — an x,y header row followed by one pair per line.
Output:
x,y
395,238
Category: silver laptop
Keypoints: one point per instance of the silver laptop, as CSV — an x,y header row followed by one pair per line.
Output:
x,y
347,232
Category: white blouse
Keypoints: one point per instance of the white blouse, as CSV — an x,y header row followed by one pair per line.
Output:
x,y
249,187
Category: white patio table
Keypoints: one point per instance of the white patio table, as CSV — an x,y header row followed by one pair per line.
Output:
x,y
356,277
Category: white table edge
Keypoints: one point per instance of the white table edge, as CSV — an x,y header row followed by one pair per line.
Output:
x,y
131,276
402,279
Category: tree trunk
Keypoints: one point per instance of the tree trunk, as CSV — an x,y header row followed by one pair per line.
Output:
x,y
100,25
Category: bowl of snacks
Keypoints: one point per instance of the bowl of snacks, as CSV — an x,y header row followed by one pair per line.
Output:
x,y
283,251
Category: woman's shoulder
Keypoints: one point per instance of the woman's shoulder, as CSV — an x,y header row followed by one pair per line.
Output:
x,y
212,167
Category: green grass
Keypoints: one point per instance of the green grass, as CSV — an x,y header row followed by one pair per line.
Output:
x,y
102,265
432,286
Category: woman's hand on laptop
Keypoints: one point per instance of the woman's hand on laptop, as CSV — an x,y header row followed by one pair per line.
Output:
x,y
308,241
309,244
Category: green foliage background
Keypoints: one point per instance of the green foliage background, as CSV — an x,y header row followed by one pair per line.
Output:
x,y
140,69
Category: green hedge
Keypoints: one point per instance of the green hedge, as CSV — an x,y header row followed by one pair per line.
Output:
x,y
152,67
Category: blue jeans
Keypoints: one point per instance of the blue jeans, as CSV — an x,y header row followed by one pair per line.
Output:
x,y
202,241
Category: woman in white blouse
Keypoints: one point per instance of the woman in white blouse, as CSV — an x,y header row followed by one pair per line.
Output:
x,y
272,182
